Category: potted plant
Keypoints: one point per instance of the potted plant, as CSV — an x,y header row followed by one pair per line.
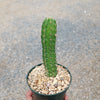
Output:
x,y
49,80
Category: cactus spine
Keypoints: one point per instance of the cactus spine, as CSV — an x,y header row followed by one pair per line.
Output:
x,y
48,39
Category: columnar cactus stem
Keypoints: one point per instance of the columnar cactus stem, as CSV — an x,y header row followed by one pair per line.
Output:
x,y
48,39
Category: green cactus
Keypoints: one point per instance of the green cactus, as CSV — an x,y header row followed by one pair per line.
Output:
x,y
48,39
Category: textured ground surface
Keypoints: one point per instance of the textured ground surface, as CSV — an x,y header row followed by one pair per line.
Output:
x,y
78,44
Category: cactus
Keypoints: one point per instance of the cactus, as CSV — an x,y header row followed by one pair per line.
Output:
x,y
48,39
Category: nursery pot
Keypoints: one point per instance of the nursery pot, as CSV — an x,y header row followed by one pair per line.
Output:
x,y
57,96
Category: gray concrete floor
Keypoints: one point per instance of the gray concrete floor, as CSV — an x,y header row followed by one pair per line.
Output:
x,y
78,44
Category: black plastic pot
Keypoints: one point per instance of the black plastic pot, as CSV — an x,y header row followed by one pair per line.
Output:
x,y
58,96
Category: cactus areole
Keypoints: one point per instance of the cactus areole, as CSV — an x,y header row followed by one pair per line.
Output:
x,y
48,39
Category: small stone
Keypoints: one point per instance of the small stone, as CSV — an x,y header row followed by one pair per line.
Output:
x,y
33,81
36,81
56,85
44,91
40,86
34,88
66,82
44,79
59,88
59,83
51,78
38,76
48,85
32,84
68,78
57,77
55,81
61,78
39,81
62,83
91,79
63,87
29,82
51,92
52,88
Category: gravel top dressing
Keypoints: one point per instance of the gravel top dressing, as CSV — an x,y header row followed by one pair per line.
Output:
x,y
39,82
